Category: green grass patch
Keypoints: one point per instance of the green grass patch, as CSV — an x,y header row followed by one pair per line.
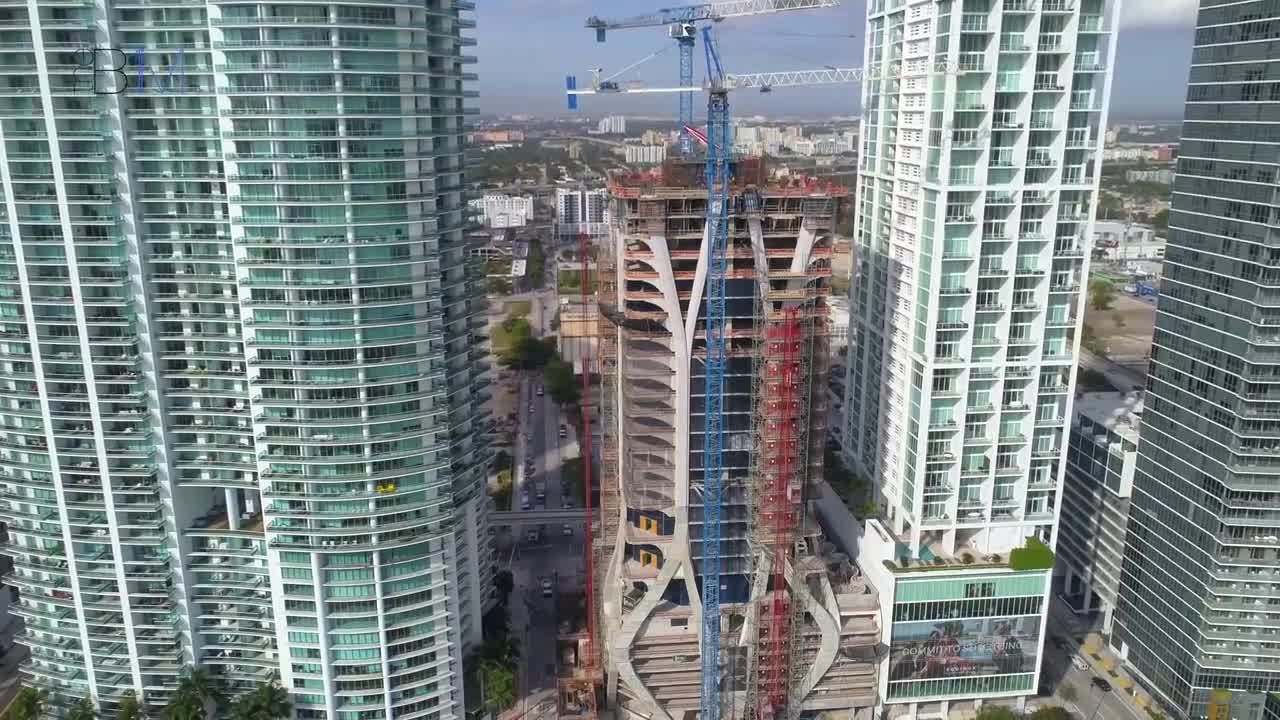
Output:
x,y
506,334
569,281
537,264
499,285
519,308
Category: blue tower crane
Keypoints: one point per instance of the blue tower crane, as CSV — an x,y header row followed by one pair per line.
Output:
x,y
717,174
682,22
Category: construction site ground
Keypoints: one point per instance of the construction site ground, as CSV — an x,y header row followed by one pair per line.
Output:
x,y
1125,329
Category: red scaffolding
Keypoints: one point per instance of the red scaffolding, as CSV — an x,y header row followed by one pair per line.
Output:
x,y
781,412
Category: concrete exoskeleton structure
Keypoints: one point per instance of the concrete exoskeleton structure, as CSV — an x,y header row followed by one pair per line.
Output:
x,y
653,273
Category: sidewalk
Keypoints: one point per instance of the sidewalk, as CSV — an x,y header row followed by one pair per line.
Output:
x,y
1095,652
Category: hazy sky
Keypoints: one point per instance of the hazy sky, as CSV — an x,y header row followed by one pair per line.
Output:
x,y
526,47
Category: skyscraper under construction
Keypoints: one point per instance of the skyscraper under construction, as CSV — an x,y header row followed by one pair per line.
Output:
x,y
798,625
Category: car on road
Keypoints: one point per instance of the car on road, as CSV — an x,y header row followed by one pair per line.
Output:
x,y
567,503
533,535
1101,684
1079,662
546,587
564,431
541,497
566,530
539,391
530,408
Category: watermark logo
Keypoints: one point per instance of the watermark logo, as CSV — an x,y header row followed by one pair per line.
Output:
x,y
105,71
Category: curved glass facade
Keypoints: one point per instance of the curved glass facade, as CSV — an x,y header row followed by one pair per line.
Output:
x,y
240,397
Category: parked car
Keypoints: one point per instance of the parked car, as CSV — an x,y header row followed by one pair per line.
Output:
x,y
539,391
566,530
564,431
1079,662
547,588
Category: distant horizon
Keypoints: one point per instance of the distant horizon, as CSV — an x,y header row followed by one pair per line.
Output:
x,y
1115,119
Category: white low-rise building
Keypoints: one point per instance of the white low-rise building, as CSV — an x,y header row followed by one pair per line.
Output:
x,y
645,154
504,211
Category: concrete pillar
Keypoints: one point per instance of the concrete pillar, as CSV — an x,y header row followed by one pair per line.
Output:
x,y
233,507
1088,596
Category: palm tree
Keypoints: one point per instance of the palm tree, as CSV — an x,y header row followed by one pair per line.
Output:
x,y
268,701
184,706
83,710
28,705
196,698
505,650
129,708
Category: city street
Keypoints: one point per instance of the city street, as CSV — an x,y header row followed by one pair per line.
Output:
x,y
550,555
1090,702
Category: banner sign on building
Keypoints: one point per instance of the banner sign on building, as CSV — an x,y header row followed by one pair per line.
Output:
x,y
963,648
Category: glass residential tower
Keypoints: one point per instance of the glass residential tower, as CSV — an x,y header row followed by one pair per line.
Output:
x,y
981,141
1199,596
240,397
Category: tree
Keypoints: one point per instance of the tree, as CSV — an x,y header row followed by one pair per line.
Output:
x,y
83,710
29,704
268,701
497,685
505,583
183,707
1101,294
559,380
196,698
1161,219
504,649
1050,712
129,707
996,712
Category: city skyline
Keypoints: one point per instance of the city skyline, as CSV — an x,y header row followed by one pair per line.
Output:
x,y
530,47
289,363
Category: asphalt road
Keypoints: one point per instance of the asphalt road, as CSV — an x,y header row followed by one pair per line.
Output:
x,y
1058,671
539,449
551,556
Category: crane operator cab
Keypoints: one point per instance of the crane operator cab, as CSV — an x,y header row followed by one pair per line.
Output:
x,y
679,31
602,85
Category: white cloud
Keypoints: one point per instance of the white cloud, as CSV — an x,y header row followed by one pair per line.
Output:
x,y
1158,13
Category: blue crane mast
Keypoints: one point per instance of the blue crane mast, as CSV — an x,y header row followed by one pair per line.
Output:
x,y
717,175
